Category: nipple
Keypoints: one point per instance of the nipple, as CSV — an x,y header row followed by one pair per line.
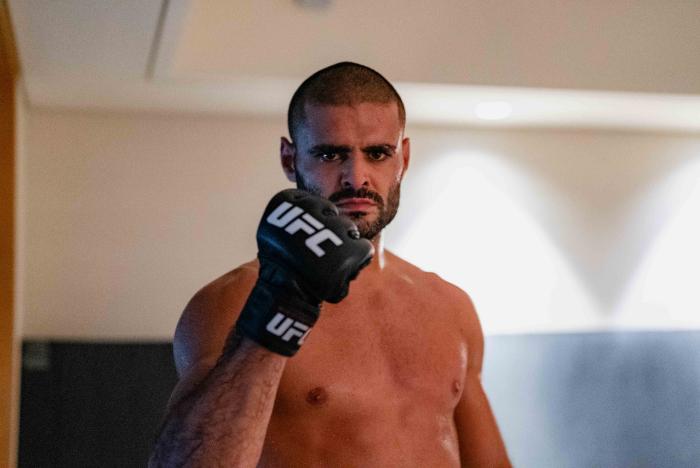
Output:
x,y
317,396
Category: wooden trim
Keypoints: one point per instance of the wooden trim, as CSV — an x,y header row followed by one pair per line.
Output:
x,y
7,255
8,341
9,62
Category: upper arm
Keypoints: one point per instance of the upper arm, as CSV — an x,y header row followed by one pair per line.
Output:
x,y
480,442
204,326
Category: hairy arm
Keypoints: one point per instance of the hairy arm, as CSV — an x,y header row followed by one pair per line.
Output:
x,y
219,412
480,442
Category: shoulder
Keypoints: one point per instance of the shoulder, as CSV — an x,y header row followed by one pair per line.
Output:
x,y
430,281
456,304
465,316
209,316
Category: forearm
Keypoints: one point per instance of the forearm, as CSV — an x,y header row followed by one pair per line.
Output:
x,y
224,420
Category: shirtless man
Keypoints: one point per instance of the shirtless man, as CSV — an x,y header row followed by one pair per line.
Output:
x,y
389,375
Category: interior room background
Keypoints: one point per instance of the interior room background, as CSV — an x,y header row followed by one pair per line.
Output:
x,y
570,219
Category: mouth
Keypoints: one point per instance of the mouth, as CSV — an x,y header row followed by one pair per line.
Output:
x,y
356,204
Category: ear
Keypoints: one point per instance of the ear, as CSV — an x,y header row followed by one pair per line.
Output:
x,y
288,158
405,154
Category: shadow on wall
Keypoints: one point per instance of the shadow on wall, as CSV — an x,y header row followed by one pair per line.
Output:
x,y
597,400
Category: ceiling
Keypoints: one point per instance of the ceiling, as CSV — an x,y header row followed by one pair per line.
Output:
x,y
571,63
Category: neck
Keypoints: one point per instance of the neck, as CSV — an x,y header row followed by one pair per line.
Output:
x,y
379,260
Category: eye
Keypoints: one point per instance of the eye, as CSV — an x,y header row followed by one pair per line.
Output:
x,y
329,156
378,155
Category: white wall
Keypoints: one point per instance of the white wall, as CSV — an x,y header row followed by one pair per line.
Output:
x,y
559,230
127,215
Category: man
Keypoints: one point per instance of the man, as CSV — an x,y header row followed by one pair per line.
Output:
x,y
390,373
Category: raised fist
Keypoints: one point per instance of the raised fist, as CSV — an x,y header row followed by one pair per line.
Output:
x,y
308,253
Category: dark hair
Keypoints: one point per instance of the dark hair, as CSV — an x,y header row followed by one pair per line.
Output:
x,y
345,83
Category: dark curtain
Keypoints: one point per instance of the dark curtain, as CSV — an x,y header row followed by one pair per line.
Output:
x,y
92,404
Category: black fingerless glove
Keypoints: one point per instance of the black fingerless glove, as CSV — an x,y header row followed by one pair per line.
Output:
x,y
308,254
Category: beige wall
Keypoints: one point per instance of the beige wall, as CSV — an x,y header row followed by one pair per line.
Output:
x,y
127,215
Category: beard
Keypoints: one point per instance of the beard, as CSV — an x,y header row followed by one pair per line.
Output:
x,y
386,209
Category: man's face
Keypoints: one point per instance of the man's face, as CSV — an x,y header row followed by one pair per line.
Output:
x,y
355,156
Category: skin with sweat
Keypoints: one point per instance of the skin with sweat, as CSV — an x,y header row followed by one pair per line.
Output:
x,y
390,376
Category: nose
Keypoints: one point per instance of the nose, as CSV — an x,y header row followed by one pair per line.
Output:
x,y
355,172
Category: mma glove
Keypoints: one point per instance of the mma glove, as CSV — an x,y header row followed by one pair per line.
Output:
x,y
308,253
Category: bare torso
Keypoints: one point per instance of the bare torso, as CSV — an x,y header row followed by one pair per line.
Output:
x,y
377,380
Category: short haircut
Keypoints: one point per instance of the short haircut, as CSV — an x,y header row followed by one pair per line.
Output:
x,y
342,84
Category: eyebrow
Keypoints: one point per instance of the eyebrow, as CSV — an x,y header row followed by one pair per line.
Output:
x,y
329,148
386,148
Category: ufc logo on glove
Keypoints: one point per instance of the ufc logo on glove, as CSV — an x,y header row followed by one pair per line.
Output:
x,y
294,219
287,328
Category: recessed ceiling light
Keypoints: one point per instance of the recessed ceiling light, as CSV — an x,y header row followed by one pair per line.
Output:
x,y
493,110
314,4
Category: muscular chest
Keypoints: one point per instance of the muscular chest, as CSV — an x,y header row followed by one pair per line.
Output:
x,y
379,351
